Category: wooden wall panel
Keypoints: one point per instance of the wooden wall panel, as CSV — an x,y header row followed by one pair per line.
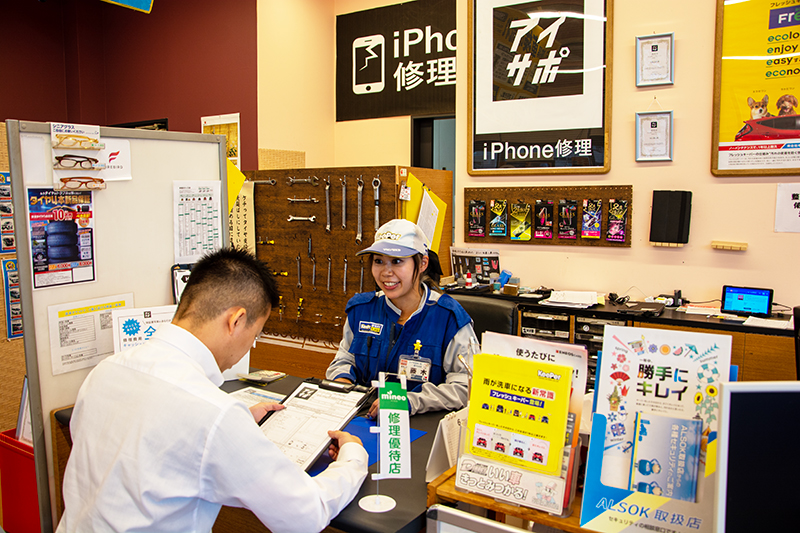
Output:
x,y
768,358
281,242
295,361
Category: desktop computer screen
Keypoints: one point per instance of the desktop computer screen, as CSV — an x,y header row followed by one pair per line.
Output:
x,y
758,469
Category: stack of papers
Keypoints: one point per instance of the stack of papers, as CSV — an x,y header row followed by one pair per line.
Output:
x,y
574,299
701,310
769,323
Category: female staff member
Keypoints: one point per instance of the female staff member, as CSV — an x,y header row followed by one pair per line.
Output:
x,y
405,327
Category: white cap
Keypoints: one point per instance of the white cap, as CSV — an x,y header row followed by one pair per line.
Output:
x,y
398,238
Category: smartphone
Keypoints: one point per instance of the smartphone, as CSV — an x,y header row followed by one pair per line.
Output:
x,y
368,64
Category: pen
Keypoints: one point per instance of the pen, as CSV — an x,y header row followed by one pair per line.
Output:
x,y
268,414
366,395
464,362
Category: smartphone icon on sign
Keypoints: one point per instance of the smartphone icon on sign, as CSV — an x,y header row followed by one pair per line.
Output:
x,y
368,64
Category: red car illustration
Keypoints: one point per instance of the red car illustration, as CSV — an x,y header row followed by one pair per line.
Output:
x,y
770,128
481,442
500,447
518,452
538,457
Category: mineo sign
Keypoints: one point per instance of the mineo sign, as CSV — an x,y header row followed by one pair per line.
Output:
x,y
396,60
395,435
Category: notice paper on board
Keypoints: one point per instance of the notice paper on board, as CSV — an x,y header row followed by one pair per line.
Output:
x,y
134,326
81,333
197,219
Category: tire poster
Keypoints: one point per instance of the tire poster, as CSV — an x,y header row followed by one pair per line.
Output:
x,y
13,299
62,239
8,244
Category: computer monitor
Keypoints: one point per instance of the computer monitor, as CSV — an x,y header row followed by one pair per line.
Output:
x,y
758,470
746,301
442,519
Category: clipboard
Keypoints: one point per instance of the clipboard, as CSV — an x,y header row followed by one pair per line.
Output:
x,y
312,409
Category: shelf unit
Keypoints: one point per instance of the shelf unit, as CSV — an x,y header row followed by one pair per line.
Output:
x,y
762,354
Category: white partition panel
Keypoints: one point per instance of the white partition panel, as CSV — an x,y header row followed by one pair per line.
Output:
x,y
133,233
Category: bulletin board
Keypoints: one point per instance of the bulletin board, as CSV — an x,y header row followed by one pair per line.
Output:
x,y
133,236
530,195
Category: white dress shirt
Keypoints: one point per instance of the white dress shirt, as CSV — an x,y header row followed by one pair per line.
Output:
x,y
157,446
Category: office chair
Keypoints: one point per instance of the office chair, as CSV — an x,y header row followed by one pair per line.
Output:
x,y
489,314
796,312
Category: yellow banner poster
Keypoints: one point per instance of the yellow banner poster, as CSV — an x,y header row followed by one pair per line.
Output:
x,y
518,412
759,87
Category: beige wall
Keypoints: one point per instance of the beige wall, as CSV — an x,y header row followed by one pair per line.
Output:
x,y
296,61
734,209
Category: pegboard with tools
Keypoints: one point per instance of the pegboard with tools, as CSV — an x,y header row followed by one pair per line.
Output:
x,y
309,225
561,216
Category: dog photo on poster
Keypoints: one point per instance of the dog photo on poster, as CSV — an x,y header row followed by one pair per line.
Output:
x,y
757,126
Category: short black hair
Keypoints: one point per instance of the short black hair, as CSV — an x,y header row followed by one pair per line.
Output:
x,y
227,278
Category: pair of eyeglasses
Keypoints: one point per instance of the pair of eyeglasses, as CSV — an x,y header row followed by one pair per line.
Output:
x,y
66,140
75,161
83,182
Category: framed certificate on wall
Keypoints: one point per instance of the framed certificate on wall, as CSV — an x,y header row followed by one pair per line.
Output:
x,y
654,136
655,60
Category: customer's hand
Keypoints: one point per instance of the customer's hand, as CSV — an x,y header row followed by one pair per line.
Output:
x,y
259,410
340,438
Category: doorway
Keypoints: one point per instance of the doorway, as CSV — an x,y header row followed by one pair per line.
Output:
x,y
433,143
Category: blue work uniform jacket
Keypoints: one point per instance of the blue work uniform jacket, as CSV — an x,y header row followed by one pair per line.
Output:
x,y
379,342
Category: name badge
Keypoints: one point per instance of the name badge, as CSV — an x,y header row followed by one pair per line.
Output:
x,y
414,368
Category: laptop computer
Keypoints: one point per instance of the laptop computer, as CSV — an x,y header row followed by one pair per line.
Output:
x,y
641,308
746,301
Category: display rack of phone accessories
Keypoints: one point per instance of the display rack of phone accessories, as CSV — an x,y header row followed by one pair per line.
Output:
x,y
308,231
561,216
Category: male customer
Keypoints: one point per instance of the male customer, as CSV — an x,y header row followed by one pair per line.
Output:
x,y
157,446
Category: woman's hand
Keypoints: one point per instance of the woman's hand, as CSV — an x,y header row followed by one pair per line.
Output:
x,y
373,410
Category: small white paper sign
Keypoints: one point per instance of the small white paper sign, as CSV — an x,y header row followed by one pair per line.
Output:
x,y
787,208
